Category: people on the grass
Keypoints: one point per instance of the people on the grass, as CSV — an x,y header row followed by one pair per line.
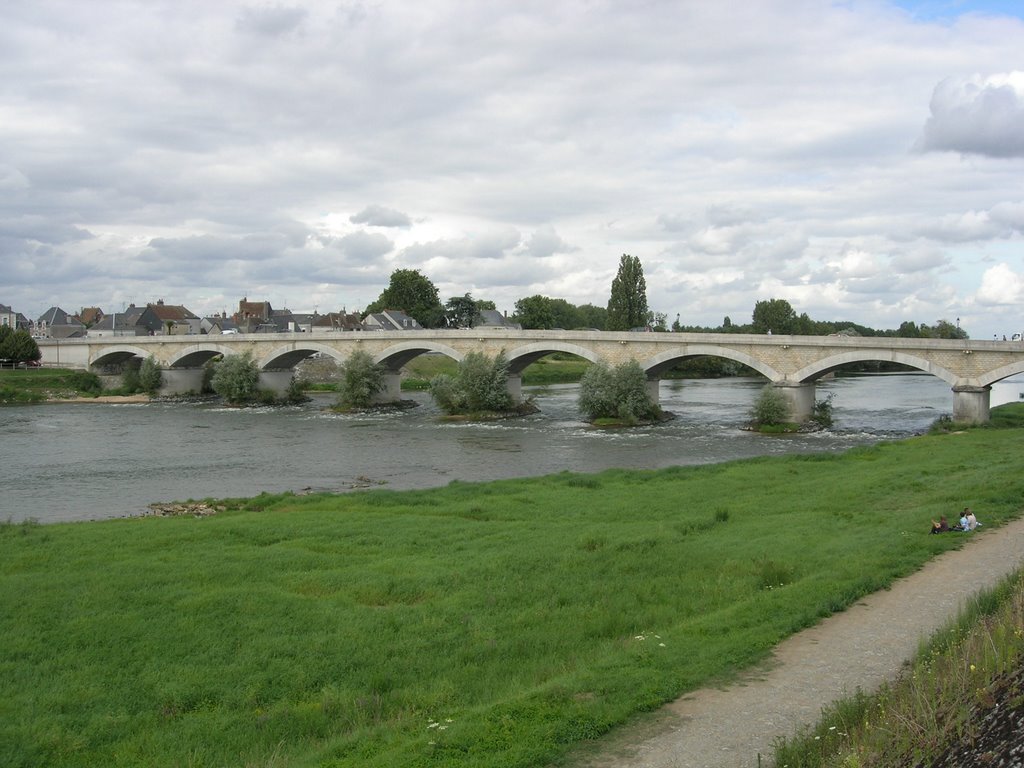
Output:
x,y
968,522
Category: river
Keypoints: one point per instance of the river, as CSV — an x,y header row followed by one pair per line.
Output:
x,y
71,461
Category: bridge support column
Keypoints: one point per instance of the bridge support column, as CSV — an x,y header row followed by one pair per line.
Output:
x,y
181,381
800,398
276,381
392,388
654,390
514,385
971,404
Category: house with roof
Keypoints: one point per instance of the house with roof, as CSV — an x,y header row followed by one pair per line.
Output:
x,y
252,315
390,320
89,316
118,324
492,318
162,319
338,321
8,318
55,323
217,324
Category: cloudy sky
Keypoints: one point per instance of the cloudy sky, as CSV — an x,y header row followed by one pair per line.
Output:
x,y
863,159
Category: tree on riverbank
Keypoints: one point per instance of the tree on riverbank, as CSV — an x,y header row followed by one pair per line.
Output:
x,y
361,379
618,394
479,386
236,378
18,346
150,376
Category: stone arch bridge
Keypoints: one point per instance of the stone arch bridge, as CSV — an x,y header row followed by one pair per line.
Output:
x,y
790,363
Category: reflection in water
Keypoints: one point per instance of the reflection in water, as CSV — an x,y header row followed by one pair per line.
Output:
x,y
72,462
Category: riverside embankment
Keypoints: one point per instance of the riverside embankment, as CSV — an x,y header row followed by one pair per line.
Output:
x,y
497,624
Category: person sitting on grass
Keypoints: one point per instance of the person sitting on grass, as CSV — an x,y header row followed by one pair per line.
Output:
x,y
940,527
972,521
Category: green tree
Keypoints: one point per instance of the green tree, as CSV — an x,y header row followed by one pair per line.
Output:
x,y
908,330
479,386
414,294
657,321
462,311
617,393
591,316
775,315
361,379
236,378
627,305
535,313
18,345
943,329
150,376
770,409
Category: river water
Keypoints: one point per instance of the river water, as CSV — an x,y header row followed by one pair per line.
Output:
x,y
71,461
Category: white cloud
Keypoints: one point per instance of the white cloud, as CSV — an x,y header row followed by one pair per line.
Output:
x,y
215,149
982,115
1000,285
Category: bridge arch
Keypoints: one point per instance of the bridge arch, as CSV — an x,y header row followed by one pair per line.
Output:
x,y
397,355
197,355
520,357
819,368
998,374
117,355
287,357
658,364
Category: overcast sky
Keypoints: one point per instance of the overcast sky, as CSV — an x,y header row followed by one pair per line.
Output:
x,y
862,159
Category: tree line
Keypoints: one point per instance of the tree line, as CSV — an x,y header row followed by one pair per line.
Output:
x,y
413,293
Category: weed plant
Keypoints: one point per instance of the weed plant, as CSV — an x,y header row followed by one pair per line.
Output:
x,y
495,624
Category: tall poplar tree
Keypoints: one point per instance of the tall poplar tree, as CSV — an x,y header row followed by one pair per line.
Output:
x,y
627,306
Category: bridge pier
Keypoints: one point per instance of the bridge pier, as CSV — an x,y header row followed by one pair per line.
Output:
x,y
514,385
654,390
971,404
276,381
181,381
800,398
392,391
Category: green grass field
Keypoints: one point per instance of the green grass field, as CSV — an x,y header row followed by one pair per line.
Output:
x,y
496,624
35,385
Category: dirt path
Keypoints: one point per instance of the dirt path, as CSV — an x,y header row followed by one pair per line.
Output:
x,y
859,648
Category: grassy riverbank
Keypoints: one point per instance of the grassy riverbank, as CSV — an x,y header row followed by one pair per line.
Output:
x,y
37,385
492,624
955,699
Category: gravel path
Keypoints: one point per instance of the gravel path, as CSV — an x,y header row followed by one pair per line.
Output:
x,y
860,648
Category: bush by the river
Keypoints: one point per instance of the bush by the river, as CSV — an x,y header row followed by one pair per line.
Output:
x,y
479,624
236,378
617,394
770,412
360,380
479,387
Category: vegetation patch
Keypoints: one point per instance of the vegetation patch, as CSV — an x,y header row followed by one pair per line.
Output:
x,y
957,704
495,624
617,396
